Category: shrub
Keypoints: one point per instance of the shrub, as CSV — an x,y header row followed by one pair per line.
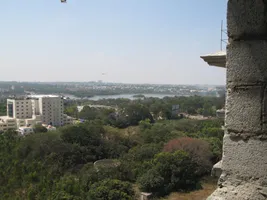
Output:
x,y
198,149
111,189
169,172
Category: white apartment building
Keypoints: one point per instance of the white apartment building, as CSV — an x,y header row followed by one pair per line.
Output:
x,y
35,109
50,108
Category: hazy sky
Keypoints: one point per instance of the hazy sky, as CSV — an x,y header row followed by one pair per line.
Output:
x,y
133,41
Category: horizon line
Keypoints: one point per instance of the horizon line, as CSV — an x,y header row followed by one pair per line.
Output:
x,y
103,82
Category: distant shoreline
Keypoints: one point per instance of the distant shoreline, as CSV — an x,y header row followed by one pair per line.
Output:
x,y
124,96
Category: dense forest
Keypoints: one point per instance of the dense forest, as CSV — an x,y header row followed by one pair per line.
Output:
x,y
2,109
116,153
132,111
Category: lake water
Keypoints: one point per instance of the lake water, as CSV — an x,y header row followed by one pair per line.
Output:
x,y
126,96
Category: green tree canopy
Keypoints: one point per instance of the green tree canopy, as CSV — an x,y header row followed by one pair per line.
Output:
x,y
169,172
38,128
111,189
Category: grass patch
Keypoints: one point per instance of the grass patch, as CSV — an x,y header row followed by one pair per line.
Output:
x,y
209,185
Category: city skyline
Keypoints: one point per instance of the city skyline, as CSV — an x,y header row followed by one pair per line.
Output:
x,y
134,42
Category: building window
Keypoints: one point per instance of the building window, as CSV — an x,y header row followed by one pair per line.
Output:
x,y
10,109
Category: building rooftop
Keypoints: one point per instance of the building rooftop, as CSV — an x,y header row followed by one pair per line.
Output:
x,y
25,127
6,117
3,119
35,96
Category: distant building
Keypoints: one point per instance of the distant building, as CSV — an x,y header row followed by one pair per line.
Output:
x,y
35,109
7,123
49,127
175,109
45,108
146,196
25,130
67,119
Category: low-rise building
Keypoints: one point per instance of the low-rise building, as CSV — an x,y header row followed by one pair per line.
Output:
x,y
7,123
25,130
67,119
49,127
146,196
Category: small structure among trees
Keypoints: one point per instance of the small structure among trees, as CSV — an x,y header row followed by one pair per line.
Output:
x,y
146,196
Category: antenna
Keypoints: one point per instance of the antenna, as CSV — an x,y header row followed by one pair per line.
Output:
x,y
223,33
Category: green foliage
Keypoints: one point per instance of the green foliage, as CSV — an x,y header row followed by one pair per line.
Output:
x,y
136,113
169,172
91,113
59,164
152,181
130,115
157,133
198,149
39,129
111,189
71,110
67,187
2,109
145,124
216,148
144,152
134,163
82,135
213,132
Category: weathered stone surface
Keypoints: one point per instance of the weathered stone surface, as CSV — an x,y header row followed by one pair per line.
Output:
x,y
247,62
244,174
244,109
264,117
246,160
246,19
245,191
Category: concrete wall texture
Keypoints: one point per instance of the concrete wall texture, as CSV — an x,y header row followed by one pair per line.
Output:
x,y
244,162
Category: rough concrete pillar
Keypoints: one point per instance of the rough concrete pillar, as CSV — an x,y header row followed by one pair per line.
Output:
x,y
244,162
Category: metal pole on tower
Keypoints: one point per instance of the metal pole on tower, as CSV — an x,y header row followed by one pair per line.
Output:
x,y
221,34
